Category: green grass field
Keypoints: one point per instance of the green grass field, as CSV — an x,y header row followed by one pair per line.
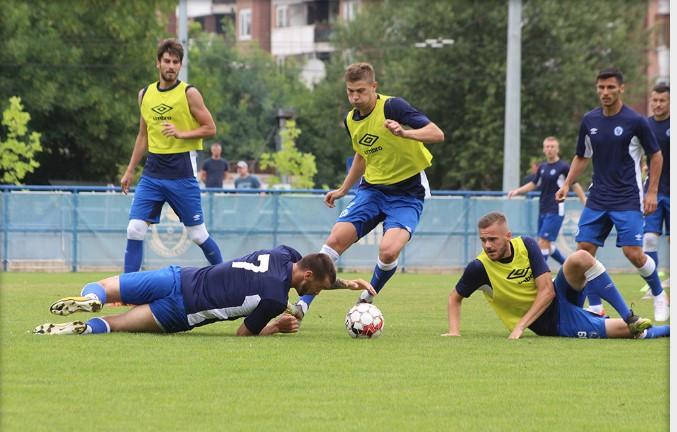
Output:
x,y
322,380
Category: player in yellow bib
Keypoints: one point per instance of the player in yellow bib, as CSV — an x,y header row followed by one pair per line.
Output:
x,y
174,120
388,136
516,282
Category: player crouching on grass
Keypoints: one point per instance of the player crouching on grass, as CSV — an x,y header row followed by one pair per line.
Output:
x,y
176,299
512,274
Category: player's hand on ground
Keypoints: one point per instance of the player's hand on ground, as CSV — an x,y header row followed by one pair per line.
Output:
x,y
359,285
516,334
650,203
562,193
287,323
170,130
332,196
394,127
295,310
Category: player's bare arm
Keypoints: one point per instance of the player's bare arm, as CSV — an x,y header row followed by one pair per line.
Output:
x,y
353,284
578,165
526,188
356,171
198,109
544,296
140,148
454,313
655,167
428,134
285,323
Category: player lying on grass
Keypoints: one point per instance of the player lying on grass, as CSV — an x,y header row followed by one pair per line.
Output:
x,y
512,274
175,299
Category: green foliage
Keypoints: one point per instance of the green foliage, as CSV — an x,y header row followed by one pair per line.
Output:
x,y
298,167
17,151
79,66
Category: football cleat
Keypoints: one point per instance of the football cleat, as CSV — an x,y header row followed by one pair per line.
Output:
x,y
70,328
637,324
661,308
69,305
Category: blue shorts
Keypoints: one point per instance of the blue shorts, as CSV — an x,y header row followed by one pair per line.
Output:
x,y
549,225
654,222
183,195
371,206
594,227
573,320
161,290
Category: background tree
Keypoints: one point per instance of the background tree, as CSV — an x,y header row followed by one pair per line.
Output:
x,y
78,67
295,167
18,149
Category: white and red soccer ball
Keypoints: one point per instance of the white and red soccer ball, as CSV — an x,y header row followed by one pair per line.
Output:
x,y
364,320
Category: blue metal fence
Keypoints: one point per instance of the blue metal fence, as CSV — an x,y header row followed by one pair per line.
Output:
x,y
84,228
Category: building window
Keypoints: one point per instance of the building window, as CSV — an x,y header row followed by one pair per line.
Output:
x,y
245,24
349,10
281,16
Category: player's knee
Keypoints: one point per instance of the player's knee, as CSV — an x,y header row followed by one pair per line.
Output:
x,y
634,255
198,233
136,229
650,242
579,261
388,255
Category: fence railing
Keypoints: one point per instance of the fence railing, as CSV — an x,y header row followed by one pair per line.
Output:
x,y
74,228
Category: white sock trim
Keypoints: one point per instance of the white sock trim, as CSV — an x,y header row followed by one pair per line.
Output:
x,y
545,252
650,242
553,248
331,252
596,270
648,268
364,295
303,305
386,267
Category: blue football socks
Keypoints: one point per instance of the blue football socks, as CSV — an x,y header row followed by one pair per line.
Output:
x,y
557,255
382,273
649,273
599,284
211,251
96,289
133,255
97,326
656,332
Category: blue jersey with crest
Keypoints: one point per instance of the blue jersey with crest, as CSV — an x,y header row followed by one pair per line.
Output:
x,y
615,144
549,178
662,131
255,286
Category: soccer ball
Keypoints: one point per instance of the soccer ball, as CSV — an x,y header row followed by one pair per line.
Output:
x,y
364,320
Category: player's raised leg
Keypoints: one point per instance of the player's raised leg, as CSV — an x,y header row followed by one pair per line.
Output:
x,y
391,245
582,270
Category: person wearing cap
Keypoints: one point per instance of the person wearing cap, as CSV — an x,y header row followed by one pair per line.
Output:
x,y
244,179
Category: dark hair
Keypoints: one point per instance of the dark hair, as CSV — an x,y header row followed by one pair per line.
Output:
x,y
360,72
610,73
491,218
661,88
170,46
321,265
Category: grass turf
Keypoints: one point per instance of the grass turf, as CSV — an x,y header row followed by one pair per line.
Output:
x,y
408,379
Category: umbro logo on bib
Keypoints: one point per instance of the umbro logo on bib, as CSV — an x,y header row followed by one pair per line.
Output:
x,y
519,273
161,109
368,140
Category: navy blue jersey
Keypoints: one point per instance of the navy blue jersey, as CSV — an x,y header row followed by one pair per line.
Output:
x,y
215,169
549,178
662,131
171,166
255,286
475,277
615,145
